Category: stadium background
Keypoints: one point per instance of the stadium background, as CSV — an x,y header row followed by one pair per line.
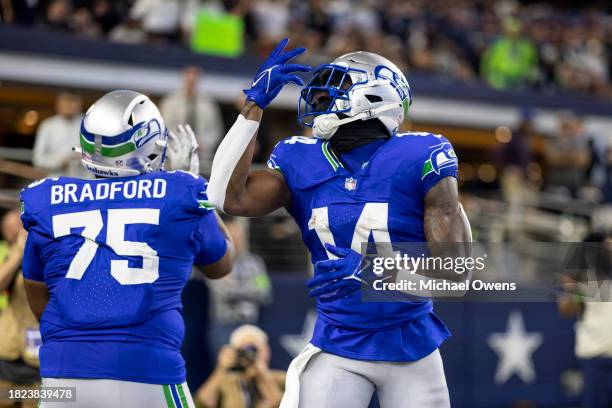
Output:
x,y
504,108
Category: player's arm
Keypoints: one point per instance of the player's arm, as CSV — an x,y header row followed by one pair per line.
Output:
x,y
254,193
33,273
38,296
233,187
445,222
223,266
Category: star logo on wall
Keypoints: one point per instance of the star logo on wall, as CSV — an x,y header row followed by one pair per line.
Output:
x,y
515,349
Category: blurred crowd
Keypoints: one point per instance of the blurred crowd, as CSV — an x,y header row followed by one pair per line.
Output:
x,y
573,162
508,44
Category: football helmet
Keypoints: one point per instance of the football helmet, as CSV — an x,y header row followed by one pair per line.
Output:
x,y
123,134
356,86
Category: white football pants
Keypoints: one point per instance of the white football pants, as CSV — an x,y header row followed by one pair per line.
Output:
x,y
92,393
331,381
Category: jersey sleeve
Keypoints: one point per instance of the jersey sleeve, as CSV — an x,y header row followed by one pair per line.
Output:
x,y
276,159
32,265
289,157
210,243
440,161
30,198
191,192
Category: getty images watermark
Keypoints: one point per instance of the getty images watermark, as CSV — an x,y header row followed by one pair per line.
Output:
x,y
418,274
492,272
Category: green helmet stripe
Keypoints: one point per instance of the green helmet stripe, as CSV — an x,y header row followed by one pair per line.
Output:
x,y
105,151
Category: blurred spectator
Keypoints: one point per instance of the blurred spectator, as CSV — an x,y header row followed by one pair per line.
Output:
x,y
600,169
83,23
58,14
447,59
514,155
272,18
128,32
158,18
17,12
189,105
567,156
588,296
318,18
20,337
105,15
238,297
13,236
242,377
584,65
517,151
511,61
57,135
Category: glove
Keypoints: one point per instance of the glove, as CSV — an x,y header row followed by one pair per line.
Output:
x,y
336,278
182,150
274,74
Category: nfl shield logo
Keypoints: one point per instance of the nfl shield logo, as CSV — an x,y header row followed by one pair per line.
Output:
x,y
350,184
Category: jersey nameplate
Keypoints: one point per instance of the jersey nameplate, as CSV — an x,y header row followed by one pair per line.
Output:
x,y
132,189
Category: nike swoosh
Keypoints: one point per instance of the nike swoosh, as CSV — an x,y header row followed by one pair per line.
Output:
x,y
266,73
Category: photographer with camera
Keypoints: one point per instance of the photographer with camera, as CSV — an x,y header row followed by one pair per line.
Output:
x,y
242,378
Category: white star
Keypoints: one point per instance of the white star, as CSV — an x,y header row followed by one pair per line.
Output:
x,y
294,343
514,349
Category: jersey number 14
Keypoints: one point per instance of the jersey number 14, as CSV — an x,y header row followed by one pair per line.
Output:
x,y
373,220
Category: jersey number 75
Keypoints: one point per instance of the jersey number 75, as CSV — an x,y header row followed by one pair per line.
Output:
x,y
115,238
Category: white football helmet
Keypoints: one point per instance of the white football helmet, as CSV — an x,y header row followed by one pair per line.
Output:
x,y
123,134
356,86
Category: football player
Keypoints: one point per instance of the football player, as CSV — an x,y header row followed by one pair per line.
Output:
x,y
358,180
106,259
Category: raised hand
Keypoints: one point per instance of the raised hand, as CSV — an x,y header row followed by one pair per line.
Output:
x,y
275,73
182,150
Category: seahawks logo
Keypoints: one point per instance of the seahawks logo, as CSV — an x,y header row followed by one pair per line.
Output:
x,y
147,132
441,157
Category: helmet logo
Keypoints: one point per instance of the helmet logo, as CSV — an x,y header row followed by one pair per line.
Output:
x,y
147,132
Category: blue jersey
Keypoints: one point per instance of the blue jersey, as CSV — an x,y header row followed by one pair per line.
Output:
x,y
115,255
383,201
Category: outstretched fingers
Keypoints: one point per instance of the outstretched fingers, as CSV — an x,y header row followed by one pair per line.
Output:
x,y
192,137
290,54
280,47
293,79
295,67
326,289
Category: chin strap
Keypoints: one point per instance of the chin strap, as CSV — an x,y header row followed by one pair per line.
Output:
x,y
325,126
